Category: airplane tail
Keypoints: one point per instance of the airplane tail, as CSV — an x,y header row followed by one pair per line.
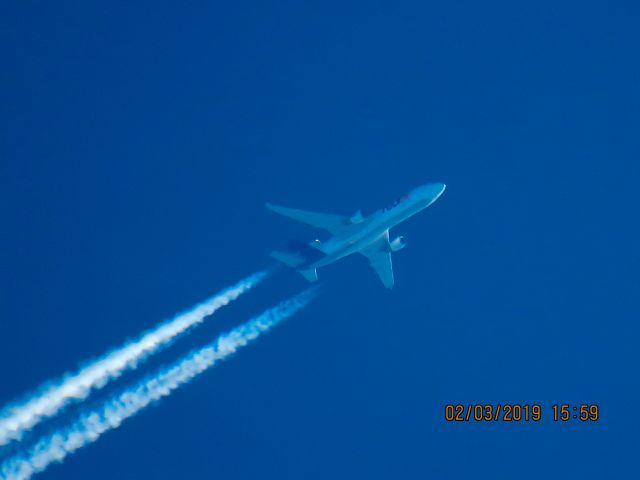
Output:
x,y
289,259
310,274
295,260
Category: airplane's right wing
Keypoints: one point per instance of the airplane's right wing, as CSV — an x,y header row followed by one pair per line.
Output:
x,y
379,255
334,224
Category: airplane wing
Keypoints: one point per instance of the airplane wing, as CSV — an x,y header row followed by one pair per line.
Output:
x,y
326,221
379,256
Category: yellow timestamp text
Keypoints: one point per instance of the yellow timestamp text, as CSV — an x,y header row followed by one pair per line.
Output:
x,y
517,412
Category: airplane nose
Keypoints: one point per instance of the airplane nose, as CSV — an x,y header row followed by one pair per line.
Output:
x,y
430,190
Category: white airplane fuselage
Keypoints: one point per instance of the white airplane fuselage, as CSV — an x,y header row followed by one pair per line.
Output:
x,y
356,234
362,234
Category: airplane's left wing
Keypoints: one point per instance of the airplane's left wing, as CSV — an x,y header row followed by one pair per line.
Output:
x,y
334,224
379,255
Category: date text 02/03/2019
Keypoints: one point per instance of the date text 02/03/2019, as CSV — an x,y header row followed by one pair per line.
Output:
x,y
516,412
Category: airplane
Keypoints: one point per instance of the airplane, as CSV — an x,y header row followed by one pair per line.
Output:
x,y
368,236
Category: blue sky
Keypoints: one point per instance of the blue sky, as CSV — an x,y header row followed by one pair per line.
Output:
x,y
140,142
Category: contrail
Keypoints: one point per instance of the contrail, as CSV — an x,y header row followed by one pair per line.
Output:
x,y
90,426
16,419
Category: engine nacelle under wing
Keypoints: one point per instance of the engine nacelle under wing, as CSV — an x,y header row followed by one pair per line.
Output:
x,y
356,217
397,244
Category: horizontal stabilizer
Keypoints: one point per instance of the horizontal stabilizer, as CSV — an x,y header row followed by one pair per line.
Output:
x,y
289,259
310,274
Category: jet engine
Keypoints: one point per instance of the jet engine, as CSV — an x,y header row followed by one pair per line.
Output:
x,y
398,244
357,217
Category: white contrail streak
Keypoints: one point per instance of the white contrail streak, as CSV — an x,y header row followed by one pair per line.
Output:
x,y
90,426
16,419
